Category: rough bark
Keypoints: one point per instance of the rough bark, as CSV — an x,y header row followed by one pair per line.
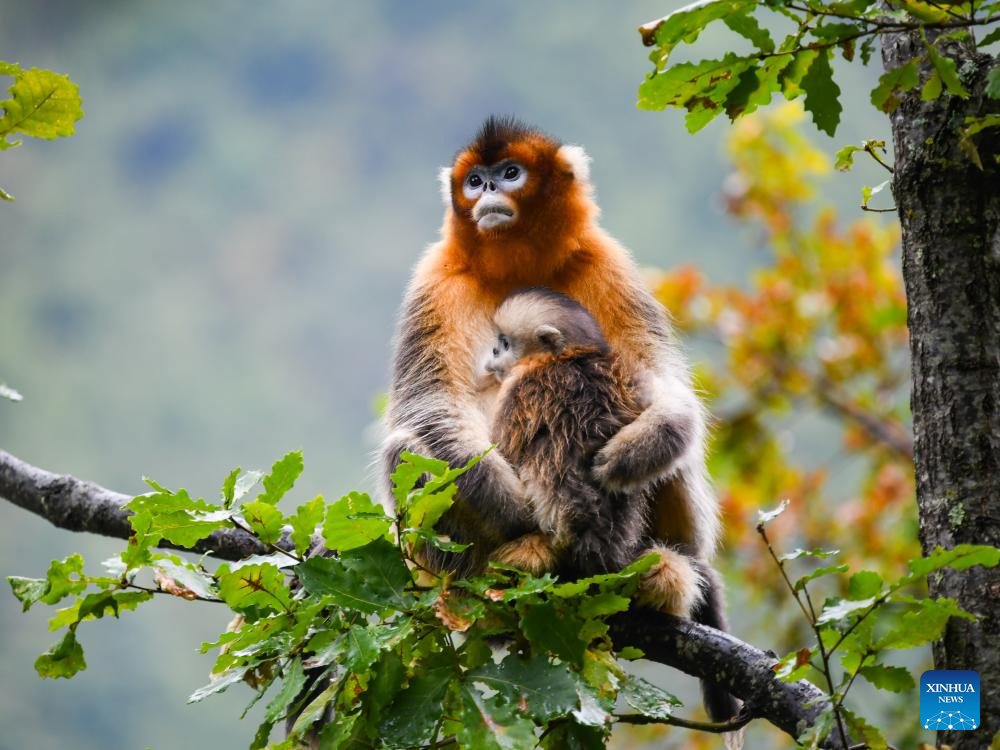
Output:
x,y
744,670
950,214
700,651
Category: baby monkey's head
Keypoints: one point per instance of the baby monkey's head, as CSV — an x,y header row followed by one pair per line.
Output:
x,y
539,321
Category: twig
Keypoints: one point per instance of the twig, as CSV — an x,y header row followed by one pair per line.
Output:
x,y
715,727
810,614
194,596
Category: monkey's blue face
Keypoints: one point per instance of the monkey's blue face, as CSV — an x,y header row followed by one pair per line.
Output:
x,y
491,188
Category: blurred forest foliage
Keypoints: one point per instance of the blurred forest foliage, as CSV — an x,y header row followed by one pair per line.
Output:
x,y
208,273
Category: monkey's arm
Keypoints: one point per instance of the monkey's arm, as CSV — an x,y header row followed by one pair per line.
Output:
x,y
650,448
432,413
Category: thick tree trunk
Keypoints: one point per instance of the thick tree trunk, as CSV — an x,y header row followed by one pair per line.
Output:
x,y
950,213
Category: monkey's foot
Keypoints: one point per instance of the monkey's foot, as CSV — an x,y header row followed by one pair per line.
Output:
x,y
532,552
672,585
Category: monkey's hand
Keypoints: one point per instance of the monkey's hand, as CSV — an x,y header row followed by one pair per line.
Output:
x,y
673,585
644,451
532,552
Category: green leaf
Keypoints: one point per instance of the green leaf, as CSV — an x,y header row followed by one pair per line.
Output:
x,y
28,590
993,36
368,579
685,24
822,94
572,736
947,69
294,679
64,659
833,32
43,104
413,716
409,471
254,586
313,711
175,516
794,666
265,520
797,69
282,478
489,723
228,490
861,729
818,553
648,699
868,192
354,521
605,603
884,677
746,26
845,157
701,88
385,683
864,585
547,690
932,88
993,79
915,628
841,608
307,517
630,653
186,575
893,83
551,628
960,557
820,572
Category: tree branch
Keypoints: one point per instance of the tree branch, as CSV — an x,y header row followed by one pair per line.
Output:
x,y
744,670
703,652
76,505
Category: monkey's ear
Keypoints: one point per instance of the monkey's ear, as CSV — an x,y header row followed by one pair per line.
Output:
x,y
444,177
577,160
551,338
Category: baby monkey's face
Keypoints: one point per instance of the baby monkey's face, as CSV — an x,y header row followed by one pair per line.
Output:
x,y
505,354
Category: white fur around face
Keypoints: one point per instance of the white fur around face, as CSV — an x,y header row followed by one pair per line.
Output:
x,y
578,161
444,178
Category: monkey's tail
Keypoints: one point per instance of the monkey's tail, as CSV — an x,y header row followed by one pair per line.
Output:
x,y
711,611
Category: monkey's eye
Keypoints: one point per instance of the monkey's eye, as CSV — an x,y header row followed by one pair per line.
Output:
x,y
474,181
505,342
511,173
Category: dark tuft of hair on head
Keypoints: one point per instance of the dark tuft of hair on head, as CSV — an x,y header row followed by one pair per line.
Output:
x,y
497,133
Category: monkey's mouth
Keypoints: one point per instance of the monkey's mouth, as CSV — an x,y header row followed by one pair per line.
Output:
x,y
494,216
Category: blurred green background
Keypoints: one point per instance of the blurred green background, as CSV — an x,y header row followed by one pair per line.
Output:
x,y
207,274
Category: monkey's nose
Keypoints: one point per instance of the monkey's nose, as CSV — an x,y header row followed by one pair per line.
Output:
x,y
491,186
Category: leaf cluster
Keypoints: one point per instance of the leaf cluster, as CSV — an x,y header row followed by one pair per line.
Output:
x,y
856,633
340,618
42,104
800,64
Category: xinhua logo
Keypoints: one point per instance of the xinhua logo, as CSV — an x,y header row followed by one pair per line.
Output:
x,y
949,699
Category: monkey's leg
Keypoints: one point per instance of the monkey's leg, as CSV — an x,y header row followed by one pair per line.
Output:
x,y
687,587
711,611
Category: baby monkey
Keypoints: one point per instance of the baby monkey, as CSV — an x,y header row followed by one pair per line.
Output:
x,y
563,395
